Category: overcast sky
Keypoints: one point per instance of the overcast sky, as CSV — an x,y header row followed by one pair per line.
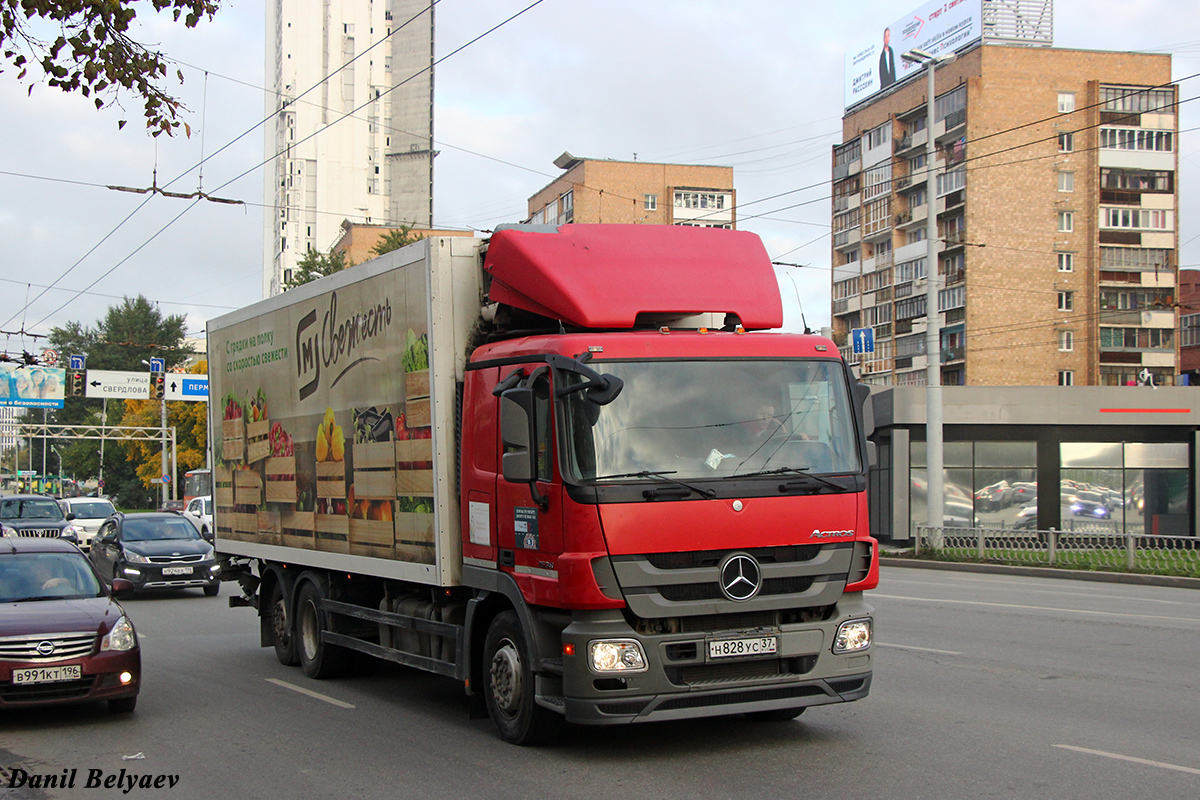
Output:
x,y
755,85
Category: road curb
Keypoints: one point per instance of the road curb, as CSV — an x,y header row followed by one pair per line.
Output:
x,y
1045,572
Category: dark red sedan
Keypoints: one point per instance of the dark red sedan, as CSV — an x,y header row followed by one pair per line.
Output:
x,y
63,638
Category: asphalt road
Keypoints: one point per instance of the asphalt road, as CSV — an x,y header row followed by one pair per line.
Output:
x,y
985,686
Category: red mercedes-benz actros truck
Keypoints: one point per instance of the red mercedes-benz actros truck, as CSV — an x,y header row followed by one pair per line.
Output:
x,y
570,467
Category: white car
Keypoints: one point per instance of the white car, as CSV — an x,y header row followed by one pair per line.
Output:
x,y
89,513
200,512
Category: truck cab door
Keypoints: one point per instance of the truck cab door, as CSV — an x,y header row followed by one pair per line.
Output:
x,y
529,489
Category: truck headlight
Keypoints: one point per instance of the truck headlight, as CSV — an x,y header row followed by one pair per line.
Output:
x,y
852,636
617,655
121,637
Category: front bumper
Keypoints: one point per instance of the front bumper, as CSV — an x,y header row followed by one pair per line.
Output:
x,y
100,680
681,681
170,576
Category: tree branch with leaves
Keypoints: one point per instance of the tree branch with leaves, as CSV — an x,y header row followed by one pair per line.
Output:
x,y
94,52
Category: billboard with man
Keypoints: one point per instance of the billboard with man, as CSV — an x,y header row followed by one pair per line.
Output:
x,y
939,26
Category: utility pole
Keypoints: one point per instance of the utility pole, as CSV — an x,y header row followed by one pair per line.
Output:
x,y
934,502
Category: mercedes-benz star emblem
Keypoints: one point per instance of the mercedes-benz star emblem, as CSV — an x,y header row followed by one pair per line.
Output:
x,y
741,577
45,648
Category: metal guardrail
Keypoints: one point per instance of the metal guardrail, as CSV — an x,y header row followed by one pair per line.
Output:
x,y
1096,550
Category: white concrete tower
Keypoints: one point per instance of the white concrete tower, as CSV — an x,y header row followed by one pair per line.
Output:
x,y
351,123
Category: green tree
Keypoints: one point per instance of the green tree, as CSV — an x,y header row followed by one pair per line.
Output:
x,y
394,240
130,332
316,265
94,53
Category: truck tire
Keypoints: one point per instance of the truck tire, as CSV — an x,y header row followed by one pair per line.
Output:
x,y
317,659
282,630
509,685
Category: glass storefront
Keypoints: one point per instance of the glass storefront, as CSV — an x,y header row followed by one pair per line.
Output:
x,y
985,485
1130,487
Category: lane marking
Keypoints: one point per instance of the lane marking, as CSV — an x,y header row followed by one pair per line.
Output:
x,y
919,649
309,693
1119,757
1037,608
1083,592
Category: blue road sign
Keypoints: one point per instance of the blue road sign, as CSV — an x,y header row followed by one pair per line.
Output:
x,y
158,365
77,362
863,340
186,386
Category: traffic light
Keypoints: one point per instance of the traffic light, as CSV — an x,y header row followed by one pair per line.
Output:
x,y
157,385
75,383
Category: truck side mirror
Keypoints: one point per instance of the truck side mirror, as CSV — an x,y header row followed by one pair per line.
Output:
x,y
516,423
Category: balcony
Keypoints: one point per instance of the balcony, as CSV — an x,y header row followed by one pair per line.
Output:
x,y
847,238
955,118
955,238
952,354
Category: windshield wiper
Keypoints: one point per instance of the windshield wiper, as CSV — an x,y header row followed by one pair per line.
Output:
x,y
783,487
651,494
33,599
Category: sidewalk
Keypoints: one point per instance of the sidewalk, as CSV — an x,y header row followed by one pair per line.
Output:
x,y
1042,572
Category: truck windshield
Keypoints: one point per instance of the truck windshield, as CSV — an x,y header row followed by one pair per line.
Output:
x,y
712,419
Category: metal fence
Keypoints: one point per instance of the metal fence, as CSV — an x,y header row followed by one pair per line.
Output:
x,y
1096,550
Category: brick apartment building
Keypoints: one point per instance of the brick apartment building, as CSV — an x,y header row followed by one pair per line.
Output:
x,y
1056,212
600,190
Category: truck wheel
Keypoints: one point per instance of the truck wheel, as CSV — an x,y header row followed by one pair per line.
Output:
x,y
509,685
281,626
317,659
776,714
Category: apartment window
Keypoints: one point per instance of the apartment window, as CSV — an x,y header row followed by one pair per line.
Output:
x,y
1135,180
1137,139
1066,341
1144,218
847,153
952,298
845,289
1066,102
1137,338
1066,221
1137,101
1134,258
1066,143
910,270
915,235
650,202
1189,330
1066,377
1066,181
1066,262
879,136
877,181
1066,301
951,181
699,200
1136,299
947,104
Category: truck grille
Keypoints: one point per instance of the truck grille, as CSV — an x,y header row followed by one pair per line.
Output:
x,y
44,648
687,584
